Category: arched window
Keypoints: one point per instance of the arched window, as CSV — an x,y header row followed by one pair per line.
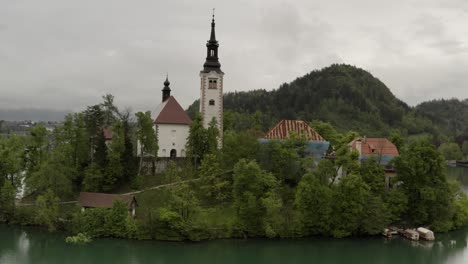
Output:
x,y
212,102
212,52
212,84
173,153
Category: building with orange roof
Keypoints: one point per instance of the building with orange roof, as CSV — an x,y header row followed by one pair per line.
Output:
x,y
316,146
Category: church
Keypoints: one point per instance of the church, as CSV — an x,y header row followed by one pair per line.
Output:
x,y
172,124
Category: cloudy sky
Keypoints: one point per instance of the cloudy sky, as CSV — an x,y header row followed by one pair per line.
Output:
x,y
65,54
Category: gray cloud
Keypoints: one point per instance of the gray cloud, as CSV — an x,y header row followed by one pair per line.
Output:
x,y
67,54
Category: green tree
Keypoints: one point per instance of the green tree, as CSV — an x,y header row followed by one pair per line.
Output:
x,y
238,145
47,209
313,200
146,136
327,131
349,205
7,201
108,110
397,140
114,171
451,151
465,148
215,184
116,220
212,136
56,173
12,160
197,144
421,169
373,175
171,173
93,178
251,185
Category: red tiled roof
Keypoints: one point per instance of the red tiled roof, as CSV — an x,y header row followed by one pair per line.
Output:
x,y
170,112
283,129
375,146
103,200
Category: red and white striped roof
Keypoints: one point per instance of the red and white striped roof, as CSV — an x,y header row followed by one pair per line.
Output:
x,y
283,130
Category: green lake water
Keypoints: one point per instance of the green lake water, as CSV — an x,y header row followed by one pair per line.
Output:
x,y
32,245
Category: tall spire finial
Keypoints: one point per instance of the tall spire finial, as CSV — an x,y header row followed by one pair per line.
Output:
x,y
213,13
166,91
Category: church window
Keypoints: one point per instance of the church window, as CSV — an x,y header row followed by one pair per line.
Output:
x,y
212,102
211,52
212,84
173,153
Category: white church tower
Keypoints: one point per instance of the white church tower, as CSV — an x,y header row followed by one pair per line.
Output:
x,y
211,86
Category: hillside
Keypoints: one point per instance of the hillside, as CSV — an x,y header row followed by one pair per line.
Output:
x,y
349,98
450,116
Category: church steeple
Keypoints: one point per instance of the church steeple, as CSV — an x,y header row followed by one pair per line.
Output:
x,y
212,61
166,91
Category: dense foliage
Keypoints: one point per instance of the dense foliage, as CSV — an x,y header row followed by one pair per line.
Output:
x,y
246,188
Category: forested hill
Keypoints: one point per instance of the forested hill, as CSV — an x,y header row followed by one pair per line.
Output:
x,y
450,116
348,97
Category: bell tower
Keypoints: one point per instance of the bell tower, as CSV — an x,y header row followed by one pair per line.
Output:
x,y
211,85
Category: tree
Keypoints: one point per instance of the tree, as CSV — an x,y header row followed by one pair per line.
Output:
x,y
108,110
115,221
146,136
465,148
313,200
451,151
421,169
12,160
283,159
327,131
47,209
373,175
197,144
114,171
215,186
56,173
349,205
36,148
94,120
251,185
238,145
396,139
212,136
7,201
93,178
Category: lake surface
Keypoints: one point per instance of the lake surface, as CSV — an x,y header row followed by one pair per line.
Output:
x,y
32,245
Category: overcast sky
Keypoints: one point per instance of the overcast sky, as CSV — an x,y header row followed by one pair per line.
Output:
x,y
66,54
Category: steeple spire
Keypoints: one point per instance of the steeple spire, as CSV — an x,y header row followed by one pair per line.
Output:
x,y
166,91
213,35
212,61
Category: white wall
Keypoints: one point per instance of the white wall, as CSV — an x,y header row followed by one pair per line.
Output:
x,y
209,111
172,136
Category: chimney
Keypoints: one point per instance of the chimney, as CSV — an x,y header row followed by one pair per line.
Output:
x,y
359,145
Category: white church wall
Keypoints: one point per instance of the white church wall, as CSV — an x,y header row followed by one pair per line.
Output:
x,y
172,136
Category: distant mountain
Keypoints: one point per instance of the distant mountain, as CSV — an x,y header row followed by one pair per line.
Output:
x,y
32,114
348,97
